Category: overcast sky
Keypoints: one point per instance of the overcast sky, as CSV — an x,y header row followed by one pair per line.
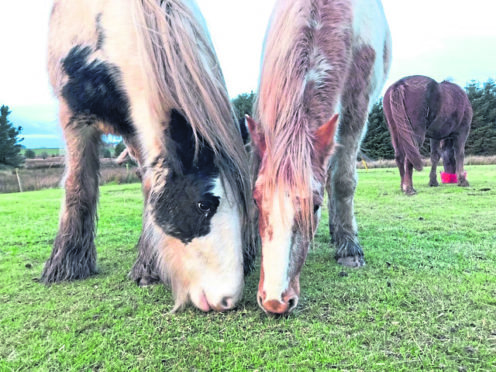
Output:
x,y
453,39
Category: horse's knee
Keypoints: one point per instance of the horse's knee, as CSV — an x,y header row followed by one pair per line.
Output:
x,y
345,187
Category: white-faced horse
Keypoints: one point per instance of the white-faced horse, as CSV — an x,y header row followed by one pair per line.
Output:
x,y
321,58
147,70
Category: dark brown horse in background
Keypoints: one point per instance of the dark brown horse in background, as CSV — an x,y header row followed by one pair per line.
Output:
x,y
417,107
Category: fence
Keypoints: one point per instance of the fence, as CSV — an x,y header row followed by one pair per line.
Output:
x,y
41,174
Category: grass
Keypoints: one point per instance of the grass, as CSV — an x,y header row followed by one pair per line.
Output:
x,y
425,300
47,151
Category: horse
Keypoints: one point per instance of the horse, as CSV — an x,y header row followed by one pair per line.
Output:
x,y
323,66
417,107
147,70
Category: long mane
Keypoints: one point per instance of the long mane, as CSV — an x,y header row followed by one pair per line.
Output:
x,y
303,53
184,72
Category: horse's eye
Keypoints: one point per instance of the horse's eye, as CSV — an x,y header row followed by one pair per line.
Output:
x,y
204,207
316,208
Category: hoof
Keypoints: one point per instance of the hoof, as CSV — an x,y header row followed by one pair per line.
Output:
x,y
146,281
463,183
410,192
352,261
434,183
62,272
53,275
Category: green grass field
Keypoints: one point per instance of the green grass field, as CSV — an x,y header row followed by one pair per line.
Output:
x,y
48,151
425,300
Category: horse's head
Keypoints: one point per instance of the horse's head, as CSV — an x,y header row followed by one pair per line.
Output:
x,y
448,154
289,192
195,223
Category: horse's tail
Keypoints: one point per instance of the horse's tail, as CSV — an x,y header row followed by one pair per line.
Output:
x,y
400,126
178,55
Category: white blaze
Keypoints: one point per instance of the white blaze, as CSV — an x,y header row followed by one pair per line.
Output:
x,y
219,254
276,251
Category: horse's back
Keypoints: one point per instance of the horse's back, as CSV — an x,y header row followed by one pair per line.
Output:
x,y
458,96
421,98
371,30
455,111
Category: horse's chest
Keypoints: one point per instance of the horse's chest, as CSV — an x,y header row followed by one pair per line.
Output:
x,y
92,89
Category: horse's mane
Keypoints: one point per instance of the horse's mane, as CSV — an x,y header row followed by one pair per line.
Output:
x,y
297,93
184,73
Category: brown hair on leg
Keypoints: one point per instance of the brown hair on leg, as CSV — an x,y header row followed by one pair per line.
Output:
x,y
74,255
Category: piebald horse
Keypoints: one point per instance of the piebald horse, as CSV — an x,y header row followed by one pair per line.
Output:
x,y
147,70
321,58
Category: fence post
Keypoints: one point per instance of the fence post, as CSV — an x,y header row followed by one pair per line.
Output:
x,y
18,179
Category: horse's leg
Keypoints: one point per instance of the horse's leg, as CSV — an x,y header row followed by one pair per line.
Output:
x,y
400,162
435,156
408,180
144,271
74,255
459,147
342,172
330,203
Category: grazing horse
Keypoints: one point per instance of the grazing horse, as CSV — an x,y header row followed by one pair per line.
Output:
x,y
417,107
147,70
321,58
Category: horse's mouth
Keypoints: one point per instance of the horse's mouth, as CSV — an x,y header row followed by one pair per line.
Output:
x,y
203,304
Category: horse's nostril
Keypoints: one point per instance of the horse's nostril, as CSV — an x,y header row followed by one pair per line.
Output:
x,y
292,302
226,303
260,301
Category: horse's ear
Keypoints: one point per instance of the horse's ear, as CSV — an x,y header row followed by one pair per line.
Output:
x,y
257,138
324,138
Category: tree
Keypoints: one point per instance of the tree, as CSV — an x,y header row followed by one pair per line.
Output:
x,y
482,137
29,154
377,141
243,104
10,148
119,148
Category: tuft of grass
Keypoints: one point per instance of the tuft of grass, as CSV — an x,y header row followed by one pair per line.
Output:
x,y
425,300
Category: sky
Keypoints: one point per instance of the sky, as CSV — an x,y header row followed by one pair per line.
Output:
x,y
443,39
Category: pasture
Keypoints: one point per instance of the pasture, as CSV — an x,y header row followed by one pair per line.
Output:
x,y
426,298
47,151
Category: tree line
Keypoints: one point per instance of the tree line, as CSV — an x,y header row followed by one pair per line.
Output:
x,y
376,143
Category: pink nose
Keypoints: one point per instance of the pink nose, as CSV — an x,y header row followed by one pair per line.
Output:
x,y
283,306
225,303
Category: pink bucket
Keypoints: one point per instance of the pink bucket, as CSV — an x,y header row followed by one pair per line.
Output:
x,y
450,177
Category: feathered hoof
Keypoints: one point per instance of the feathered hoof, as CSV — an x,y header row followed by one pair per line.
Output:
x,y
349,253
352,261
142,276
146,281
61,272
